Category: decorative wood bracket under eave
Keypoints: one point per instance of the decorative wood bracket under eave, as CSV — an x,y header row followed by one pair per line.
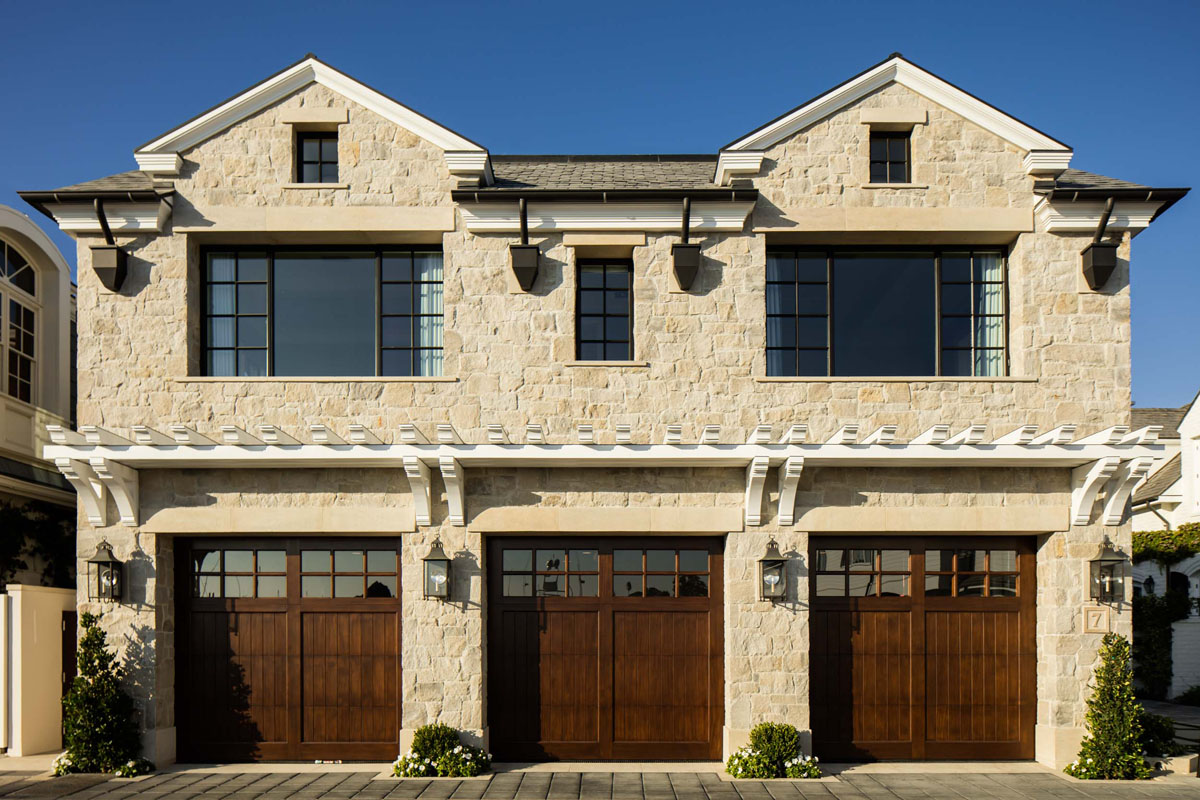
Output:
x,y
122,482
789,479
456,501
1086,482
88,488
756,479
1120,486
420,484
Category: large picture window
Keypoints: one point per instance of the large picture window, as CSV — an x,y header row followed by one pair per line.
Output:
x,y
874,312
313,313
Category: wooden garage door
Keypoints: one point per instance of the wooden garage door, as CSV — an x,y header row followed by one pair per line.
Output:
x,y
605,648
923,648
288,649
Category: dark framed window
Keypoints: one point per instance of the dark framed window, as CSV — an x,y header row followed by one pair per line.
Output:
x,y
348,573
891,156
660,573
316,157
862,573
551,572
18,329
971,573
604,311
312,312
881,312
239,572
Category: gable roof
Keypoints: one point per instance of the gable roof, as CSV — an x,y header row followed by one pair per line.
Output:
x,y
615,172
897,69
306,71
1158,483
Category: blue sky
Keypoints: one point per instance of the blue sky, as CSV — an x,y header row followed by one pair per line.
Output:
x,y
86,82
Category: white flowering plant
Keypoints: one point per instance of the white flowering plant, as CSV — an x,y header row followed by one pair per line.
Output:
x,y
63,765
802,766
774,752
438,752
134,767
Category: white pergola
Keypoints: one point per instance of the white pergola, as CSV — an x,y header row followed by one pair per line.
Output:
x,y
98,461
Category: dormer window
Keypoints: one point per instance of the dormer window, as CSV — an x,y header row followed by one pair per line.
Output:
x,y
317,157
890,156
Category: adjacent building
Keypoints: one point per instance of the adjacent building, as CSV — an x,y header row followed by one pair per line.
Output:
x,y
824,426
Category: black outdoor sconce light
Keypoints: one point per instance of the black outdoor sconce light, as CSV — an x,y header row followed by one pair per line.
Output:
x,y
1105,574
686,257
772,574
1100,257
524,256
105,579
437,572
109,261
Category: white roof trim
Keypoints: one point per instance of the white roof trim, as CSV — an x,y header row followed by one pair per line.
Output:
x,y
279,86
928,85
133,219
505,218
1083,216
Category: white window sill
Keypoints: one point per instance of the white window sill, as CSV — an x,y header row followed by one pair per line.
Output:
x,y
626,364
320,379
894,186
895,379
316,186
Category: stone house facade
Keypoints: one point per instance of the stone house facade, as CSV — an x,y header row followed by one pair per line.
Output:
x,y
884,359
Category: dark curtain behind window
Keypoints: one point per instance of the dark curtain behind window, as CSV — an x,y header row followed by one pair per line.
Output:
x,y
884,314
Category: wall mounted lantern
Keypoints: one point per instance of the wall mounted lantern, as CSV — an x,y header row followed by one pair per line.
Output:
x,y
525,256
437,572
1105,573
686,257
772,573
105,581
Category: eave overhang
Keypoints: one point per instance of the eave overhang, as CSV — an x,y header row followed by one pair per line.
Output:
x,y
129,212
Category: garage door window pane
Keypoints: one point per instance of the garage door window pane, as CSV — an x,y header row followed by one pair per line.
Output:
x,y
381,586
830,560
1003,561
315,586
970,585
583,561
938,585
627,585
348,586
551,560
381,561
314,561
207,586
893,585
693,586
584,585
939,560
862,585
272,561
660,586
518,585
970,561
831,586
627,560
660,560
518,561
862,560
1002,586
239,586
550,586
348,561
272,586
239,561
693,561
894,561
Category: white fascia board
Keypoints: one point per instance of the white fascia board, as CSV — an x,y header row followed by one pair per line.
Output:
x,y
291,80
586,455
126,218
505,218
737,162
923,83
1047,162
1083,216
470,163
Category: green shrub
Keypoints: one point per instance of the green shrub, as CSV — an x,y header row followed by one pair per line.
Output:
x,y
774,752
438,751
1153,616
1190,696
1112,747
1158,735
99,728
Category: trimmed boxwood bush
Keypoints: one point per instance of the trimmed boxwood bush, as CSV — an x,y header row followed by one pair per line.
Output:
x,y
774,752
438,751
1112,748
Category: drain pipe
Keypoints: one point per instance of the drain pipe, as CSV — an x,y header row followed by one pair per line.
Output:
x,y
687,218
98,205
1108,209
523,210
1100,257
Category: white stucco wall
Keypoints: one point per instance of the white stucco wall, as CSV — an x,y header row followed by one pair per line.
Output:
x,y
31,675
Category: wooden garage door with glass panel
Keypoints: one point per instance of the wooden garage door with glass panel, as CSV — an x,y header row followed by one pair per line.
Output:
x,y
605,648
923,648
288,649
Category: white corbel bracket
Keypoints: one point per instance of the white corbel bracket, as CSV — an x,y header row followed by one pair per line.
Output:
x,y
452,476
1120,486
419,484
1086,482
122,482
93,497
789,478
756,479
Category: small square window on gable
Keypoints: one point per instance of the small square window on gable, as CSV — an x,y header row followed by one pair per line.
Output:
x,y
317,157
891,156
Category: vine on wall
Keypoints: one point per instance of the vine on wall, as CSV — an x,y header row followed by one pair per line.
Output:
x,y
41,532
1167,547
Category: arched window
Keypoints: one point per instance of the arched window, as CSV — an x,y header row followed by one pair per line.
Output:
x,y
18,313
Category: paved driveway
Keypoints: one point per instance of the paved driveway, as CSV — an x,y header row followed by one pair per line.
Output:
x,y
584,786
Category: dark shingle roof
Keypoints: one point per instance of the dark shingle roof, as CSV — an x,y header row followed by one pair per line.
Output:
x,y
603,172
1074,179
1169,418
133,181
1160,481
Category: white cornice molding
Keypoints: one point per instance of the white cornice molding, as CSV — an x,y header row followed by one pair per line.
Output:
x,y
1047,162
470,163
1083,216
160,163
505,218
732,163
124,218
276,88
923,83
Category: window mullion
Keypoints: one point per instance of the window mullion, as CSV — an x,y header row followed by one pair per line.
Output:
x,y
829,313
937,312
378,312
270,314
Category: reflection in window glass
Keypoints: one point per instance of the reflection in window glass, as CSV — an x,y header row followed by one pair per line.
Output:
x,y
348,561
239,586
551,560
862,585
239,561
970,560
939,560
314,561
315,586
1002,585
272,586
693,561
831,586
583,561
518,560
660,586
894,560
660,560
693,586
627,585
206,561
1003,561
893,585
272,561
862,560
208,586
970,585
550,586
324,325
584,585
348,586
381,561
381,586
627,560
830,560
518,585
938,585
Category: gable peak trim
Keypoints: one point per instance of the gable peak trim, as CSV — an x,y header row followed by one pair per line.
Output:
x,y
897,69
